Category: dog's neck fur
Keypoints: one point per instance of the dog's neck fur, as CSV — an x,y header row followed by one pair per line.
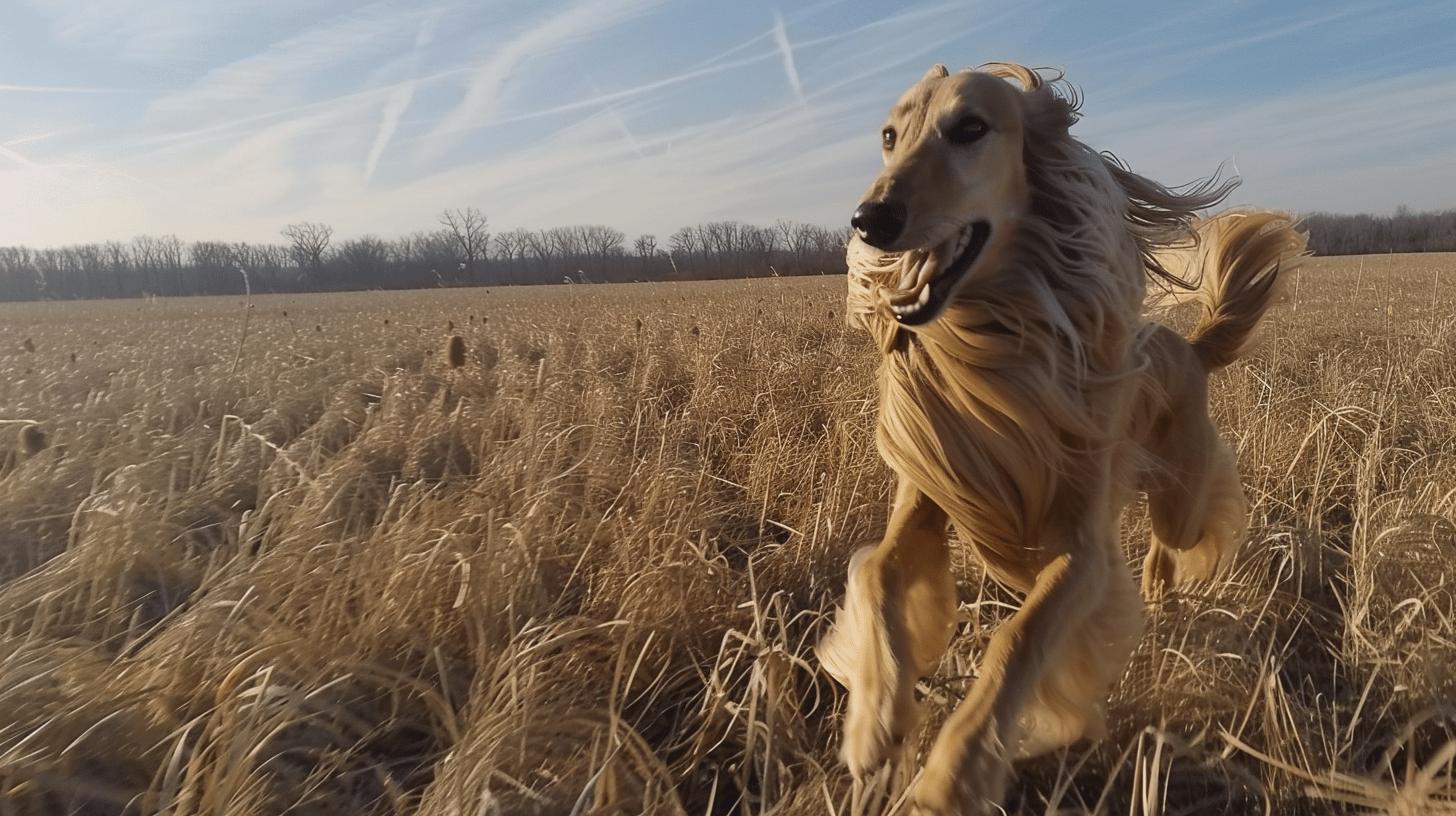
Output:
x,y
1024,382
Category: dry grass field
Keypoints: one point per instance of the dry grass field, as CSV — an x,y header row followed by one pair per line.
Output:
x,y
285,557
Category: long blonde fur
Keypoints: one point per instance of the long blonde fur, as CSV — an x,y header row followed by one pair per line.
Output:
x,y
1027,414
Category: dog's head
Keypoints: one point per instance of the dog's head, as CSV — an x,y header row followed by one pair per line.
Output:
x,y
955,185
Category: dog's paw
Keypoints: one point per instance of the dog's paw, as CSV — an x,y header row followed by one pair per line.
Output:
x,y
962,797
851,640
969,778
874,733
882,711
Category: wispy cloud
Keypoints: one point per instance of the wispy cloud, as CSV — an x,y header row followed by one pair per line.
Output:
x,y
1294,148
614,114
1188,47
869,50
7,152
68,89
149,31
288,68
486,85
635,91
38,136
786,50
757,167
400,98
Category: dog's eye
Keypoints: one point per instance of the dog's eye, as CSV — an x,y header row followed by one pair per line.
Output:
x,y
968,130
887,138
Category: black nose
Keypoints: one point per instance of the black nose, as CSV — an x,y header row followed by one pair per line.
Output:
x,y
879,223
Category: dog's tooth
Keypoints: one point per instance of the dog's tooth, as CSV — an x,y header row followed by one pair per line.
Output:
x,y
910,273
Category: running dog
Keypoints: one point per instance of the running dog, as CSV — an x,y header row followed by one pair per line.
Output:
x,y
1001,267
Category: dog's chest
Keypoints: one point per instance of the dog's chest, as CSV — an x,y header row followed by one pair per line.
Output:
x,y
979,445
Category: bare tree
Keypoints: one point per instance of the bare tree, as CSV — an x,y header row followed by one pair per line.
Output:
x,y
505,246
645,246
366,259
684,241
512,247
215,266
423,257
309,244
602,242
470,235
18,274
566,242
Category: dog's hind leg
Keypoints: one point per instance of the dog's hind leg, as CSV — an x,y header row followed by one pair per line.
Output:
x,y
1070,700
1197,507
897,619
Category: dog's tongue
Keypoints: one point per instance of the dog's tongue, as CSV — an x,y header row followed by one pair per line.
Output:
x,y
917,274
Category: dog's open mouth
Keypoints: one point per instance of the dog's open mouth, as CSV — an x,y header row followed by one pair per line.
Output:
x,y
928,280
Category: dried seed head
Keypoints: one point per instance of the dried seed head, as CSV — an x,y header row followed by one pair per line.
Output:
x,y
27,344
33,439
455,351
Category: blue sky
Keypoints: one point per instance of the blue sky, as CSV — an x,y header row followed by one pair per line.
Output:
x,y
225,119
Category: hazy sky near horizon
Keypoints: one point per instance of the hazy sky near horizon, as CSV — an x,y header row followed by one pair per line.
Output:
x,y
214,119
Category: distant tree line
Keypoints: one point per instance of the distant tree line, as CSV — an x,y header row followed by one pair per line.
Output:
x,y
461,252
1405,231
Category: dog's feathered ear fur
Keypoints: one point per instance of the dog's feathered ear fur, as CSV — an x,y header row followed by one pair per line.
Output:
x,y
1029,79
1050,105
936,71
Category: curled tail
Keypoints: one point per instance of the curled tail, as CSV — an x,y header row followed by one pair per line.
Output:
x,y
1237,262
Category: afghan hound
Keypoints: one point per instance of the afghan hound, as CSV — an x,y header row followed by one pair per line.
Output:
x,y
1001,267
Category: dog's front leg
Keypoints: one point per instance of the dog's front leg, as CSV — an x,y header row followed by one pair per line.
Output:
x,y
968,767
897,619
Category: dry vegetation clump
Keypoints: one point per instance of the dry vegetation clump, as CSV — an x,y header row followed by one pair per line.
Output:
x,y
576,560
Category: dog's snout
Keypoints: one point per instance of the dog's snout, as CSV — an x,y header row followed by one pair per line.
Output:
x,y
879,223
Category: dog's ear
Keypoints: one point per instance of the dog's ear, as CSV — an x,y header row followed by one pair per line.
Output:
x,y
1028,78
1050,114
936,71
1050,105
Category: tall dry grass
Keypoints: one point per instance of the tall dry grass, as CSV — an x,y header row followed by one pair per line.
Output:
x,y
576,562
